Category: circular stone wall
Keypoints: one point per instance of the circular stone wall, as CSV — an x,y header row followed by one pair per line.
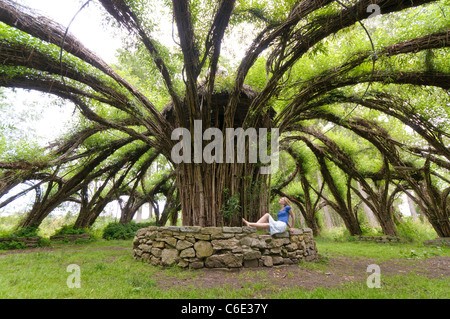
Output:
x,y
222,247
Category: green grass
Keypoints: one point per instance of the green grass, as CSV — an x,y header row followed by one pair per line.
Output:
x,y
392,287
380,252
108,270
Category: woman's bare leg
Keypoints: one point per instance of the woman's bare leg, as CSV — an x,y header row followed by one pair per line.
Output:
x,y
264,219
257,225
261,223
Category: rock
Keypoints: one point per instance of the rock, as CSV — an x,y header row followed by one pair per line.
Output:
x,y
253,263
259,244
190,229
251,254
284,234
253,242
266,238
156,252
276,250
222,247
220,244
183,244
302,245
267,261
151,234
183,264
196,264
211,230
277,260
297,231
170,241
169,257
246,241
278,242
224,260
248,229
155,261
159,244
202,236
222,235
203,249
291,247
188,252
141,232
232,229
145,248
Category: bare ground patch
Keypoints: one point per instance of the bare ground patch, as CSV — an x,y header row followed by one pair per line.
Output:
x,y
334,272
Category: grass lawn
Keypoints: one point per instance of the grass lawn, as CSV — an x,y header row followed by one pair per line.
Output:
x,y
108,270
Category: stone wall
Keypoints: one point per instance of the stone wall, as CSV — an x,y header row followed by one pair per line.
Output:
x,y
222,247
70,237
380,239
29,241
441,241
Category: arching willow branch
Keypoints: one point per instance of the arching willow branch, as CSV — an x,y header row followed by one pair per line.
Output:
x,y
335,78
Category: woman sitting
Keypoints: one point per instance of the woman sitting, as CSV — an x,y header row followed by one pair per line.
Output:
x,y
276,226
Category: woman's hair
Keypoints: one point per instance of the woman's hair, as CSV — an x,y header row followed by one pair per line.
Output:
x,y
287,202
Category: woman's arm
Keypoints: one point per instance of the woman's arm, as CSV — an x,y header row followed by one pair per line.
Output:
x,y
291,227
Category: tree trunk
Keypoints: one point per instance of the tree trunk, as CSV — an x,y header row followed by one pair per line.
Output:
x,y
83,216
221,194
435,205
387,223
42,207
346,213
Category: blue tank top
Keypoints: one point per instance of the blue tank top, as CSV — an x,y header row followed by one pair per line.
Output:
x,y
283,215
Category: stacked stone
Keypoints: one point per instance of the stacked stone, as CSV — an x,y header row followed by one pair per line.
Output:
x,y
70,237
380,239
441,241
221,247
29,241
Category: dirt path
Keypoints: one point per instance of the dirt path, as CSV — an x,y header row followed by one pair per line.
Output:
x,y
335,271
